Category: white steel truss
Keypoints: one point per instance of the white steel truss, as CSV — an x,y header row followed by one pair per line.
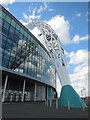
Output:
x,y
55,50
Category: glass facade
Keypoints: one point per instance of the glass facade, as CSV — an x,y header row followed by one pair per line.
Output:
x,y
22,53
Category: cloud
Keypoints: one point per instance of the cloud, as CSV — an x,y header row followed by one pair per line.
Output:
x,y
81,56
45,6
79,78
78,14
35,12
76,39
61,27
5,2
87,13
31,17
29,9
50,9
26,16
88,20
24,23
35,31
42,8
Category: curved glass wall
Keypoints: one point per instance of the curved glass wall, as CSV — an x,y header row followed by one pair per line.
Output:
x,y
22,52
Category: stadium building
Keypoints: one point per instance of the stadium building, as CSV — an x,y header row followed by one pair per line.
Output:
x,y
28,73
29,69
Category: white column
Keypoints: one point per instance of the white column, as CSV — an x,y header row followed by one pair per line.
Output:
x,y
5,85
68,105
23,90
35,91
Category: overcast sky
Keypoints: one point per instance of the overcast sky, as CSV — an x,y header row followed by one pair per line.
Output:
x,y
70,22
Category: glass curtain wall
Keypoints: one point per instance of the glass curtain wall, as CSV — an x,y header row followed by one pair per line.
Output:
x,y
22,52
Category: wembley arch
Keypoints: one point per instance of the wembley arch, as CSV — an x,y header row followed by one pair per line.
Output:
x,y
68,94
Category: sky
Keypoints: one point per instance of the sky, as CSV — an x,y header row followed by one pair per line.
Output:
x,y
70,22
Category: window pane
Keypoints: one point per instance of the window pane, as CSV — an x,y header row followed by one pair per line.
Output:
x,y
8,19
3,15
9,44
25,38
32,40
3,45
5,28
6,25
20,36
29,36
22,30
7,54
0,24
5,62
17,27
16,36
10,35
13,23
11,29
25,33
0,21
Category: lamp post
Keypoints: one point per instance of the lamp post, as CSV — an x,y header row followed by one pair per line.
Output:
x,y
82,92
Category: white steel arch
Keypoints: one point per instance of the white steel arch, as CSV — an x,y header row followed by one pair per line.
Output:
x,y
55,50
